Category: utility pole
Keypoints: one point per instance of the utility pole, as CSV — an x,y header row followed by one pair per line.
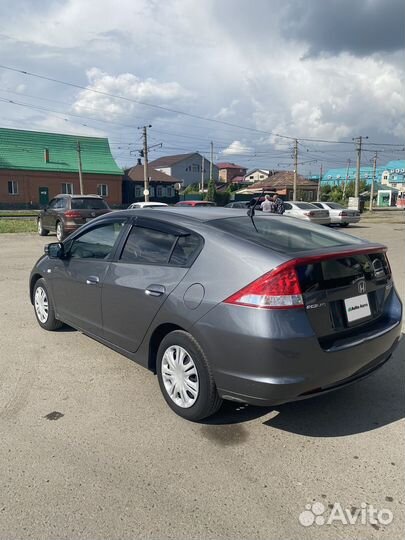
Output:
x,y
79,159
347,177
319,185
145,162
212,159
373,180
359,141
202,174
295,169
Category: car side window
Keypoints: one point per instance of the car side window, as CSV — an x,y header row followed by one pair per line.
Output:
x,y
287,206
52,203
60,203
148,246
97,243
185,250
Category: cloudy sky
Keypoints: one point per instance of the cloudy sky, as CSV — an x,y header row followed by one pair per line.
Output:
x,y
262,71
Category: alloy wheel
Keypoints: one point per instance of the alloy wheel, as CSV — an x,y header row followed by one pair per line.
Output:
x,y
180,376
59,231
41,305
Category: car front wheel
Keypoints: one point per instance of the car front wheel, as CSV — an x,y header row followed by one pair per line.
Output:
x,y
185,377
43,307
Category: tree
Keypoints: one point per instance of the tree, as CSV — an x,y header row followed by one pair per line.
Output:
x,y
211,191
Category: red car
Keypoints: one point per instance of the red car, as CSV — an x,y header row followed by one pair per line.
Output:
x,y
195,203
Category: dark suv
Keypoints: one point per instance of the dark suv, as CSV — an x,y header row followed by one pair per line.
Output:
x,y
66,213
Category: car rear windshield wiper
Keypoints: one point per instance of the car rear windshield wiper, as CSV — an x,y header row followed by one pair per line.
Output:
x,y
251,211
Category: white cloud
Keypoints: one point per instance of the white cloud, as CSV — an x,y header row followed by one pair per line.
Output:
x,y
236,148
128,86
181,54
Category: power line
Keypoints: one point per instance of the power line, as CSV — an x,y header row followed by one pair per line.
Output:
x,y
145,104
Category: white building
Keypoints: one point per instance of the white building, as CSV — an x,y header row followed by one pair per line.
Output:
x,y
257,175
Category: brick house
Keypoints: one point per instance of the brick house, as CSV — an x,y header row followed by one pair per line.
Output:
x,y
229,172
188,168
161,185
35,166
282,183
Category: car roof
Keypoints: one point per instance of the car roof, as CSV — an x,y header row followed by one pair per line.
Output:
x,y
78,196
199,214
192,201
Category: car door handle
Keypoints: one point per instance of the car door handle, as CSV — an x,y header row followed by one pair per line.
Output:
x,y
92,280
155,290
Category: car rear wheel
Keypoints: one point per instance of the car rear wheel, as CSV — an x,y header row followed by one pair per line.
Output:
x,y
344,224
60,233
40,229
185,377
43,307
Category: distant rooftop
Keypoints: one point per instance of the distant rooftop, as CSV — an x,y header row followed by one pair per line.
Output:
x,y
228,165
168,161
136,174
57,152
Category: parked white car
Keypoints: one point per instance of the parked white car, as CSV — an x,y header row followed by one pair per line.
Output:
x,y
147,204
339,215
306,211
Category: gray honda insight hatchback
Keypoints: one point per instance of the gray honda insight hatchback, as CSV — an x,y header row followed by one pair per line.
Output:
x,y
222,306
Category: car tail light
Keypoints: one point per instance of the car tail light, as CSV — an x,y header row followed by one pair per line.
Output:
x,y
73,214
343,214
278,289
310,214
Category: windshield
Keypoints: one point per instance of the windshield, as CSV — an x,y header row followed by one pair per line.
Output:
x,y
283,234
88,204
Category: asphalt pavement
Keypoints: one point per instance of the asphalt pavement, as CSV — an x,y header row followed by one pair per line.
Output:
x,y
89,449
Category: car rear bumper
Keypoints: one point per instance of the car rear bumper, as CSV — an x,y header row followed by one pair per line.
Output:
x,y
339,219
320,221
265,357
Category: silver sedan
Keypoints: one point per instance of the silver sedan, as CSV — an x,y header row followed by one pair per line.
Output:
x,y
307,211
339,215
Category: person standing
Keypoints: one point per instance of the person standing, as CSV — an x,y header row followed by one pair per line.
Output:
x,y
278,205
267,205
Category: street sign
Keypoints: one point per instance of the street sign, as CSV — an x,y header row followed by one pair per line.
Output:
x,y
146,191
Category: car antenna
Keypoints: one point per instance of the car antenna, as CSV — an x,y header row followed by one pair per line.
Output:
x,y
251,211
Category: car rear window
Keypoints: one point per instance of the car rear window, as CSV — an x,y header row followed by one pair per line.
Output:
x,y
151,246
334,206
282,234
88,204
148,246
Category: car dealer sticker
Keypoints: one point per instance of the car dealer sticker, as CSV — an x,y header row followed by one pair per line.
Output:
x,y
357,307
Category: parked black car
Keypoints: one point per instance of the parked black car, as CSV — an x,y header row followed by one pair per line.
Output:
x,y
66,213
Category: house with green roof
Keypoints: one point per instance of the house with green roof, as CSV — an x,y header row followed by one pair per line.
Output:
x,y
35,166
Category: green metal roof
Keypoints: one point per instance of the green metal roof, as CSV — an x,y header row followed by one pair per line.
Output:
x,y
25,150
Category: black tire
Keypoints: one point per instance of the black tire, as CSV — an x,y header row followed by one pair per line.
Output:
x,y
208,400
344,224
51,322
40,229
60,232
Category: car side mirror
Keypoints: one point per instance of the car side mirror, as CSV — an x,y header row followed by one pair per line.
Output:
x,y
54,250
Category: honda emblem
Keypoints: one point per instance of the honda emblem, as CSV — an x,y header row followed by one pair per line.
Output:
x,y
362,286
